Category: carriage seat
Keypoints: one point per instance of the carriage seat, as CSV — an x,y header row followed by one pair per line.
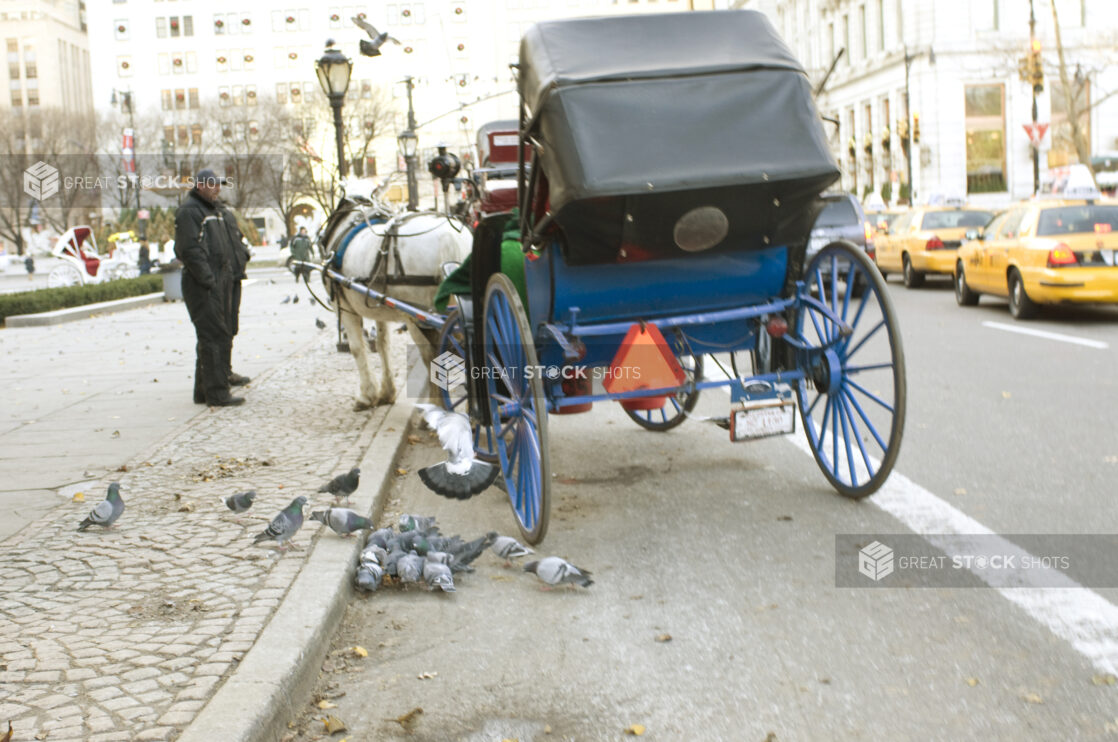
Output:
x,y
91,264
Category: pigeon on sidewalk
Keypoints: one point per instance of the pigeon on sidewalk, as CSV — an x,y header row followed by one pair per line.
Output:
x,y
508,548
461,476
343,485
439,576
284,525
240,502
421,523
409,568
286,300
319,323
368,577
555,570
342,521
107,511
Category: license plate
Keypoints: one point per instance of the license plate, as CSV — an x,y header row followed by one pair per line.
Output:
x,y
1107,256
763,420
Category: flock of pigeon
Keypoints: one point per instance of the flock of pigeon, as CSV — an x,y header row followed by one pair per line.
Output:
x,y
418,551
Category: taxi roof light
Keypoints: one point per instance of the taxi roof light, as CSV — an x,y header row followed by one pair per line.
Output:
x,y
1061,255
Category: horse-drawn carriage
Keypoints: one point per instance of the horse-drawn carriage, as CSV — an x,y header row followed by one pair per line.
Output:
x,y
82,264
676,164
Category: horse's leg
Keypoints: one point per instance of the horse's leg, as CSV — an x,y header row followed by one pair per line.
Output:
x,y
384,348
351,321
425,343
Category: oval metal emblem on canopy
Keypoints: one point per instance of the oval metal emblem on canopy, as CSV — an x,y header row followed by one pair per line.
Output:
x,y
701,229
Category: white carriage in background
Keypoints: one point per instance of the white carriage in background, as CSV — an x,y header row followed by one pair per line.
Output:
x,y
81,265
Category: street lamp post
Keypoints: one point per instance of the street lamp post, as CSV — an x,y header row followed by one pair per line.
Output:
x,y
127,103
409,143
333,70
1035,51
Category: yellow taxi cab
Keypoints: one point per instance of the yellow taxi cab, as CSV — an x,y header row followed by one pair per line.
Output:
x,y
924,240
1043,252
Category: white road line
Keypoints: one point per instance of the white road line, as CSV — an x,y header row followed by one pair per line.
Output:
x,y
1047,335
1074,613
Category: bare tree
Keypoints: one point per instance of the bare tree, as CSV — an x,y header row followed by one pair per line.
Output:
x,y
1072,92
367,115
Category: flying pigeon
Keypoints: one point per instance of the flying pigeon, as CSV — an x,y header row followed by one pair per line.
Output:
x,y
423,524
372,48
286,300
438,575
284,525
343,485
368,577
343,521
107,511
461,476
509,548
239,502
557,571
319,323
409,568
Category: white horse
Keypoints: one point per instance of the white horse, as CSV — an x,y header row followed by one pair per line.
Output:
x,y
404,258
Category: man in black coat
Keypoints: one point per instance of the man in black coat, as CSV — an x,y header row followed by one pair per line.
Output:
x,y
241,256
204,245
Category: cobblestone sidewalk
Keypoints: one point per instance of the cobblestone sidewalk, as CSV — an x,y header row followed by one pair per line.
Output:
x,y
124,634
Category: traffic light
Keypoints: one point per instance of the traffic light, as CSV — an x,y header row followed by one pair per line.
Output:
x,y
1036,68
916,128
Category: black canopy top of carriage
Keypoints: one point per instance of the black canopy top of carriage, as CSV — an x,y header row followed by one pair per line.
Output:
x,y
642,105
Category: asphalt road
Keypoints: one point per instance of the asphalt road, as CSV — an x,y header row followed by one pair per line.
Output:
x,y
715,614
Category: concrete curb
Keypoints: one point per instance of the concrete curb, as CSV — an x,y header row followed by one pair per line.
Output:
x,y
83,312
261,696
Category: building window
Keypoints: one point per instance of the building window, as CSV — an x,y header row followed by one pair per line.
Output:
x,y
191,62
180,100
120,30
1063,151
161,28
985,125
188,25
881,25
176,26
124,66
250,95
196,134
193,97
846,37
900,23
830,42
864,46
166,96
281,92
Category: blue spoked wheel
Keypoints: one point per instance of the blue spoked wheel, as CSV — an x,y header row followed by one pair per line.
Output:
x,y
675,408
852,401
517,406
455,396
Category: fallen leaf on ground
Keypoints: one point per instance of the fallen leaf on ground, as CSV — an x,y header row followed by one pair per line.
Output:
x,y
414,438
360,651
333,724
324,704
1032,698
972,682
784,517
401,472
79,497
1006,395
960,490
635,730
408,720
427,675
664,638
187,508
1107,679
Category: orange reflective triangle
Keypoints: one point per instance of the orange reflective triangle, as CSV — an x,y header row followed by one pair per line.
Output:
x,y
644,361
